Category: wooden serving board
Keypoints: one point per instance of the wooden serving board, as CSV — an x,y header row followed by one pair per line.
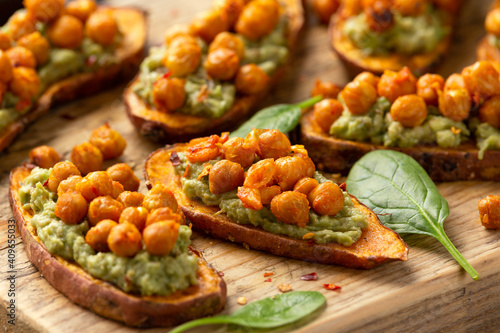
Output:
x,y
429,292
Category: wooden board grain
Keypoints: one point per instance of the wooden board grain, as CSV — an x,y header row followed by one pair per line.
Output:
x,y
429,292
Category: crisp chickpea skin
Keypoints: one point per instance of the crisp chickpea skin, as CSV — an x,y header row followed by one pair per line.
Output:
x,y
25,82
395,84
21,24
325,9
66,32
204,151
44,156
135,215
231,9
44,10
305,185
429,86
97,236
409,7
5,41
68,185
274,144
368,78
94,185
492,22
37,44
227,40
481,79
260,174
175,31
209,24
359,97
455,104
159,196
123,173
182,59
87,158
325,89
108,141
131,199
225,176
454,81
117,189
326,112
258,18
251,80
61,171
250,197
489,112
71,207
81,9
125,240
351,8
163,214
104,208
21,57
101,27
327,199
222,64
234,150
169,94
291,208
268,193
489,211
160,237
409,110
5,68
289,170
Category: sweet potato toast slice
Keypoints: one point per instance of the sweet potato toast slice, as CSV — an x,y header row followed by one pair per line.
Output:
x,y
206,298
376,245
442,164
177,127
132,23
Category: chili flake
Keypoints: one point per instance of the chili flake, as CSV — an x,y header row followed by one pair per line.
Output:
x,y
45,183
167,75
330,286
266,274
343,186
221,274
205,171
309,235
268,280
175,159
186,172
309,277
455,130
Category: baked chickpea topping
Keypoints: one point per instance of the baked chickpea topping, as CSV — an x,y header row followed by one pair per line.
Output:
x,y
182,59
274,144
87,158
66,32
135,215
489,112
125,240
175,31
378,14
117,189
68,185
268,193
489,211
123,173
326,112
409,7
234,150
454,81
305,185
225,176
250,197
326,199
291,208
204,151
222,64
71,207
44,156
368,78
81,9
160,237
131,199
455,104
251,79
5,67
231,9
359,96
409,110
395,84
260,174
25,82
325,9
169,94
21,57
108,141
227,40
101,27
258,18
351,7
492,22
163,214
104,208
209,24
44,10
325,89
21,23
94,185
61,171
37,44
97,236
429,86
289,170
481,79
159,196
5,41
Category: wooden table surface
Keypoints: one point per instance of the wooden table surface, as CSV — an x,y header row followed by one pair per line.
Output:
x,y
429,292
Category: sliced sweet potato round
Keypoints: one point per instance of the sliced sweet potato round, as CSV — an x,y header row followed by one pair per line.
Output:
x,y
176,127
442,164
376,245
206,298
132,23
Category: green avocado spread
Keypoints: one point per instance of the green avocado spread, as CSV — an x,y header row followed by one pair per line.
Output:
x,y
144,273
344,228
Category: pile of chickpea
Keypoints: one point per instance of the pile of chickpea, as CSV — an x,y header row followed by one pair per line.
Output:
x,y
478,85
23,48
281,177
220,28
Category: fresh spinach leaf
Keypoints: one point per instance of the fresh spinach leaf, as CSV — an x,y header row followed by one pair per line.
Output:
x,y
397,188
283,117
268,312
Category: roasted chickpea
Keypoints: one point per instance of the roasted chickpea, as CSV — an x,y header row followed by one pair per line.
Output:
x,y
222,64
429,86
359,96
492,22
325,89
225,176
66,32
251,80
37,44
123,173
81,9
44,10
409,110
327,199
5,67
117,189
183,39
104,208
409,7
131,199
368,78
274,144
20,24
163,214
125,240
481,79
455,104
97,236
95,184
208,24
489,211
227,40
160,237
310,167
169,94
135,215
291,208
250,197
234,150
325,9
260,174
351,7
159,196
61,171
289,170
68,185
454,81
71,208
25,82
87,157
395,84
21,57
258,18
182,59
44,156
326,112
489,112
108,141
101,27
268,193
231,9
204,151
305,185
379,16
176,31
5,41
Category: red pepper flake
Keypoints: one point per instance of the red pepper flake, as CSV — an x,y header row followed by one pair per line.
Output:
x,y
22,104
45,183
221,274
167,75
175,159
127,280
186,172
309,277
267,280
224,137
203,94
94,190
268,274
330,286
91,60
343,186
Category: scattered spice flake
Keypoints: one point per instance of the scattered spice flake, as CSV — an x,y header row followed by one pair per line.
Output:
x,y
309,277
284,287
307,236
224,136
330,286
167,75
186,172
22,105
45,183
203,94
175,159
343,186
242,300
455,130
91,60
221,274
94,190
190,226
311,242
205,171
266,274
268,280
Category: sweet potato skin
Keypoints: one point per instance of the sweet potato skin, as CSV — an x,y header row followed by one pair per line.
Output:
x,y
442,164
377,244
207,298
175,127
130,53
